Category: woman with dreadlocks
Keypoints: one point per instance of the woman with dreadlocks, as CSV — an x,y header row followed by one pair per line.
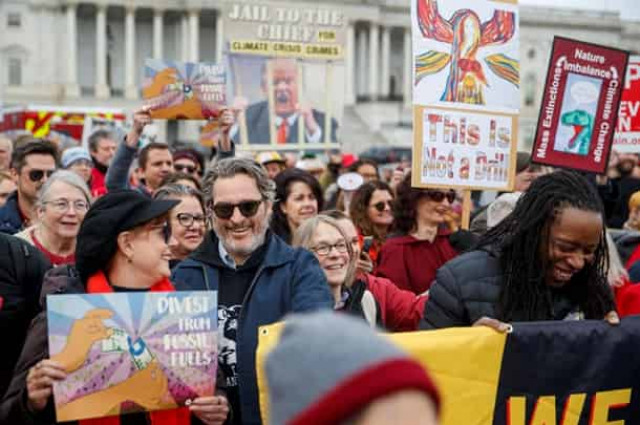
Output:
x,y
547,260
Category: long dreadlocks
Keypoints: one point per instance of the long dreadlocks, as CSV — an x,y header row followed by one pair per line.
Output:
x,y
518,239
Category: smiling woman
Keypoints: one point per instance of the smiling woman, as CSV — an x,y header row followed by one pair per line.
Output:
x,y
547,260
61,206
299,197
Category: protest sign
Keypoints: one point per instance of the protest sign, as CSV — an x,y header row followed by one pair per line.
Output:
x,y
287,73
466,93
580,106
544,373
627,137
464,148
128,352
184,91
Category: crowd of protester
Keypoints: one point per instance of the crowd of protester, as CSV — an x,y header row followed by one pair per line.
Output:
x,y
281,233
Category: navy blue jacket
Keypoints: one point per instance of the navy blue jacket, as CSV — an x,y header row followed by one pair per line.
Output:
x,y
10,219
289,280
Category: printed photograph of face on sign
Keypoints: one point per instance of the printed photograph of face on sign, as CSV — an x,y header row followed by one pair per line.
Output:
x,y
462,149
466,53
579,109
287,74
132,352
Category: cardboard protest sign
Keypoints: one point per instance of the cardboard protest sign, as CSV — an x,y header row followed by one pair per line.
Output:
x,y
128,352
579,107
184,91
627,137
464,148
466,93
287,73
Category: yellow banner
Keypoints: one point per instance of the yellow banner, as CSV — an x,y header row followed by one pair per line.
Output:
x,y
464,362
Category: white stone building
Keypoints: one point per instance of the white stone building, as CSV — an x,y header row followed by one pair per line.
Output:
x,y
91,53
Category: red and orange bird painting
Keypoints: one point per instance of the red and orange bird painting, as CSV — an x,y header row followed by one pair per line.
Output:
x,y
467,35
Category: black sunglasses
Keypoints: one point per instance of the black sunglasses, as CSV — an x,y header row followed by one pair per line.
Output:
x,y
224,210
165,229
379,206
439,196
189,169
37,175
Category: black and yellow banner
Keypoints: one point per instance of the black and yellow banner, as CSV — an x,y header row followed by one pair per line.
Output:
x,y
552,373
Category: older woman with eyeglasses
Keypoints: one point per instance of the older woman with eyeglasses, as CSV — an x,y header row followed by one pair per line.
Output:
x,y
61,206
421,243
330,237
187,219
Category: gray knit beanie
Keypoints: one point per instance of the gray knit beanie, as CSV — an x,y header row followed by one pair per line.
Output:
x,y
329,366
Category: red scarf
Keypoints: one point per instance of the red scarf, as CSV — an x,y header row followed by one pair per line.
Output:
x,y
98,284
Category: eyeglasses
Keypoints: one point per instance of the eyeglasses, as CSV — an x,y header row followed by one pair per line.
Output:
x,y
323,250
224,210
439,196
183,168
62,205
187,220
37,175
380,206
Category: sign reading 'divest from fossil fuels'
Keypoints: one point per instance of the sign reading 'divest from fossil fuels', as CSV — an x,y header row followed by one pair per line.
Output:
x,y
183,90
466,97
579,109
129,352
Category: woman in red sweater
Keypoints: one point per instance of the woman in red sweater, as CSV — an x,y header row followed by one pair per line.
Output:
x,y
421,245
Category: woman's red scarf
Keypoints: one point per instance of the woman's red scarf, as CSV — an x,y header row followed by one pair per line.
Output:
x,y
98,284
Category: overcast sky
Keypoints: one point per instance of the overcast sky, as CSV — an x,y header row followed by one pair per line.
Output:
x,y
630,9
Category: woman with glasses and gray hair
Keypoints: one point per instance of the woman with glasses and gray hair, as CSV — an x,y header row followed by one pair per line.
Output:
x,y
333,239
187,219
60,207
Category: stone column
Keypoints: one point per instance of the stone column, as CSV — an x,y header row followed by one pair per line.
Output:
x,y
374,46
219,36
102,90
194,35
385,65
158,27
349,65
184,39
72,89
408,69
362,62
131,90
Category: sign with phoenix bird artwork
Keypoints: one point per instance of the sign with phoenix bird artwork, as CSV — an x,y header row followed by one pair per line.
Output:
x,y
465,93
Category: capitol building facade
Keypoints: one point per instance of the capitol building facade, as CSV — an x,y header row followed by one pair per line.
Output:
x,y
76,53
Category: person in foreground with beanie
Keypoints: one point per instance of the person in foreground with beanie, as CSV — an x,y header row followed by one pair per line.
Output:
x,y
351,375
122,246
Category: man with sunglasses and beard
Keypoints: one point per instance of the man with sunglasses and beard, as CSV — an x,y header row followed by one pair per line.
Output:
x,y
259,278
32,163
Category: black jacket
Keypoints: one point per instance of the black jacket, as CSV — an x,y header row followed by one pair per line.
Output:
x,y
22,268
13,409
468,287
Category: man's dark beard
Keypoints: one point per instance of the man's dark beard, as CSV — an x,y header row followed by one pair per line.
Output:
x,y
100,167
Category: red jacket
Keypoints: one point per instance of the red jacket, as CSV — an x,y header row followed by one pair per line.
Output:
x,y
411,263
98,186
628,295
400,310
